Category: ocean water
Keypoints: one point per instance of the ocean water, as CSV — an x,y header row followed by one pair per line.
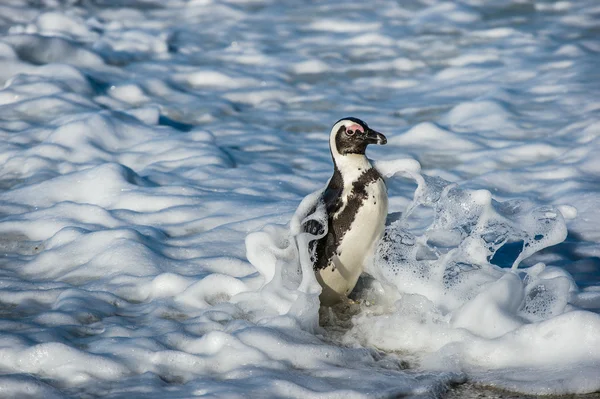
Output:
x,y
158,158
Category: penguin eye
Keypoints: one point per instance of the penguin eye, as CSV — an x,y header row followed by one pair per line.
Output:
x,y
349,132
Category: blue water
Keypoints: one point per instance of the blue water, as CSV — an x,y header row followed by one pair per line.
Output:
x,y
143,140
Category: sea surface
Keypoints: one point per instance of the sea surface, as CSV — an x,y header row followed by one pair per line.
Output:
x,y
158,158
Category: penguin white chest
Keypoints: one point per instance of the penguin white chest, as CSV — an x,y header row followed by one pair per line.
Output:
x,y
357,243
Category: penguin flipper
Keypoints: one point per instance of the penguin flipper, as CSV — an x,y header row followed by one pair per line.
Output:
x,y
330,198
313,227
330,244
323,248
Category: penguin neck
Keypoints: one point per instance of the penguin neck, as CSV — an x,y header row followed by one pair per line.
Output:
x,y
350,167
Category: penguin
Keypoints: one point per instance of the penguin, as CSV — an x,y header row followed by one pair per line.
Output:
x,y
356,203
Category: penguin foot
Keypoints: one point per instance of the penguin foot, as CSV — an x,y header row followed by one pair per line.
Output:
x,y
338,317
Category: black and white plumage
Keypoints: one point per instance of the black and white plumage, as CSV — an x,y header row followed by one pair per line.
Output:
x,y
356,204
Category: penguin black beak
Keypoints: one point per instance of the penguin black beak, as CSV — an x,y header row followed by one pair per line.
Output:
x,y
373,137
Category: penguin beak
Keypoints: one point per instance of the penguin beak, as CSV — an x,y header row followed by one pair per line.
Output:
x,y
373,137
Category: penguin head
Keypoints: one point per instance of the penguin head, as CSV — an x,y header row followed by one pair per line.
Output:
x,y
352,136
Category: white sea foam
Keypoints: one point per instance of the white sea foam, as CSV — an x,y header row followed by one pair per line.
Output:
x,y
458,311
157,160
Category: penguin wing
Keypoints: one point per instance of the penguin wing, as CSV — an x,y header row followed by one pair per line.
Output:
x,y
324,248
331,199
314,227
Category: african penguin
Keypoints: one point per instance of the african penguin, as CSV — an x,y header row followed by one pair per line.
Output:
x,y
356,203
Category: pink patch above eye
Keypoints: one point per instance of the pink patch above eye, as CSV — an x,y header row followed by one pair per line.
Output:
x,y
356,128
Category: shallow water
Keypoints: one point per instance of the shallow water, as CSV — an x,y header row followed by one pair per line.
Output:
x,y
154,155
